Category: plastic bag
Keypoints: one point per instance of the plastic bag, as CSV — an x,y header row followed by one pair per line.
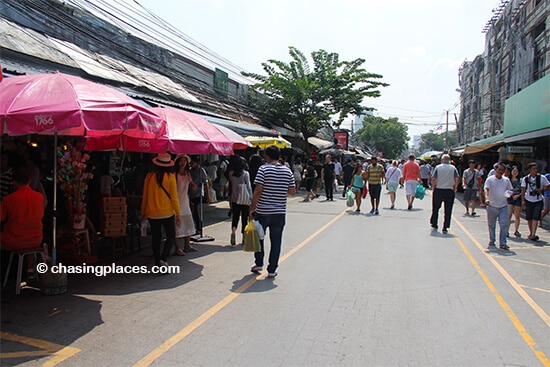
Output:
x,y
251,240
350,197
419,192
259,228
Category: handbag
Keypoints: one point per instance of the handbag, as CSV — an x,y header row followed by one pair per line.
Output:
x,y
244,196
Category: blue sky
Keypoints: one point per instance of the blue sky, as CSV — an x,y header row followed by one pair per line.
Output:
x,y
417,45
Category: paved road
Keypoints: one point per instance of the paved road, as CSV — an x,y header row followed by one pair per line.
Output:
x,y
353,290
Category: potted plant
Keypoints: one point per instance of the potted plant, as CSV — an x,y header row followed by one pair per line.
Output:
x,y
74,179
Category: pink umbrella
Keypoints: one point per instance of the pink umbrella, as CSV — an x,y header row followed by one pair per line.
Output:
x,y
69,105
185,133
239,142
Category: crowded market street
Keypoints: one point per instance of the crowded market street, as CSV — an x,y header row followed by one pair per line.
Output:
x,y
353,289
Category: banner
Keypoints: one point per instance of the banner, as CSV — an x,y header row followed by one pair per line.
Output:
x,y
342,138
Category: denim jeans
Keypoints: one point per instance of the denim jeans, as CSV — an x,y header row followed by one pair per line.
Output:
x,y
169,225
494,213
275,223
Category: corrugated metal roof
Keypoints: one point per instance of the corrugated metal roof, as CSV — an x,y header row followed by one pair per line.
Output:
x,y
242,128
28,42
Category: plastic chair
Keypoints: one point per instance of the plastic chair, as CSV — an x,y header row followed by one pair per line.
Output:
x,y
21,255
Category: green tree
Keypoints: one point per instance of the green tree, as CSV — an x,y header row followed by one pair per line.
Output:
x,y
388,136
433,141
306,98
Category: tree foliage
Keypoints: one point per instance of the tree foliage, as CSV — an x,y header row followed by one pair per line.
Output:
x,y
433,141
388,136
306,97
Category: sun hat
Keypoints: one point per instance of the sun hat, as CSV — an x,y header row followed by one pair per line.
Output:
x,y
187,158
163,160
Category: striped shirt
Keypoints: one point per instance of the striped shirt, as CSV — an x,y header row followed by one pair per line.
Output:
x,y
375,173
275,179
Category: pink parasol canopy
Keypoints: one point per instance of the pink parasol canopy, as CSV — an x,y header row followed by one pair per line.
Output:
x,y
239,142
62,104
185,133
69,105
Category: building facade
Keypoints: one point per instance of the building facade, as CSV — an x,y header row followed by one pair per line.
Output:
x,y
516,56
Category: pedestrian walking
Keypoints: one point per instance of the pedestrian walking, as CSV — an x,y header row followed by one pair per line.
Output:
x,y
347,173
273,183
546,209
425,174
201,190
375,174
481,170
337,173
327,172
393,177
241,196
445,181
160,205
514,201
297,170
469,184
309,176
411,177
318,180
532,190
186,227
497,189
358,184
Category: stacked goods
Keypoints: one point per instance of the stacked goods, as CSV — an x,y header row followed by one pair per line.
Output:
x,y
114,217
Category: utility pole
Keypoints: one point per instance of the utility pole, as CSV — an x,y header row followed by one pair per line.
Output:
x,y
447,133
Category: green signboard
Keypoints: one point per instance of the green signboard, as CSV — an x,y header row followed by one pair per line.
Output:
x,y
528,110
221,80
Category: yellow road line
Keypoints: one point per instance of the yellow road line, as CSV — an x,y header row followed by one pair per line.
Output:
x,y
509,312
59,352
183,333
530,301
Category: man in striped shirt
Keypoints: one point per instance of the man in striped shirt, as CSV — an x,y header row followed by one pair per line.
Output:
x,y
273,182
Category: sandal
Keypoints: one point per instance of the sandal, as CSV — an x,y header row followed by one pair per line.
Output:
x,y
190,249
179,252
534,238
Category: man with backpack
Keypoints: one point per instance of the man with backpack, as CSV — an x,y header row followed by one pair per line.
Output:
x,y
532,188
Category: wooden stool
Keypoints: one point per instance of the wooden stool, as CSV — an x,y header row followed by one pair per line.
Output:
x,y
21,254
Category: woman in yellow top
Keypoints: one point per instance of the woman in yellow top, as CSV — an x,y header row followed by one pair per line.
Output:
x,y
160,205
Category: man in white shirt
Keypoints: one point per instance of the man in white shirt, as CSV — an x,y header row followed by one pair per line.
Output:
x,y
337,172
532,196
497,190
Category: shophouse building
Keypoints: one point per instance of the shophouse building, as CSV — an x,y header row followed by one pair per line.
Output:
x,y
505,91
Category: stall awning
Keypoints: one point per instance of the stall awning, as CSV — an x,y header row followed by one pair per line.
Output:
x,y
319,143
484,144
242,128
